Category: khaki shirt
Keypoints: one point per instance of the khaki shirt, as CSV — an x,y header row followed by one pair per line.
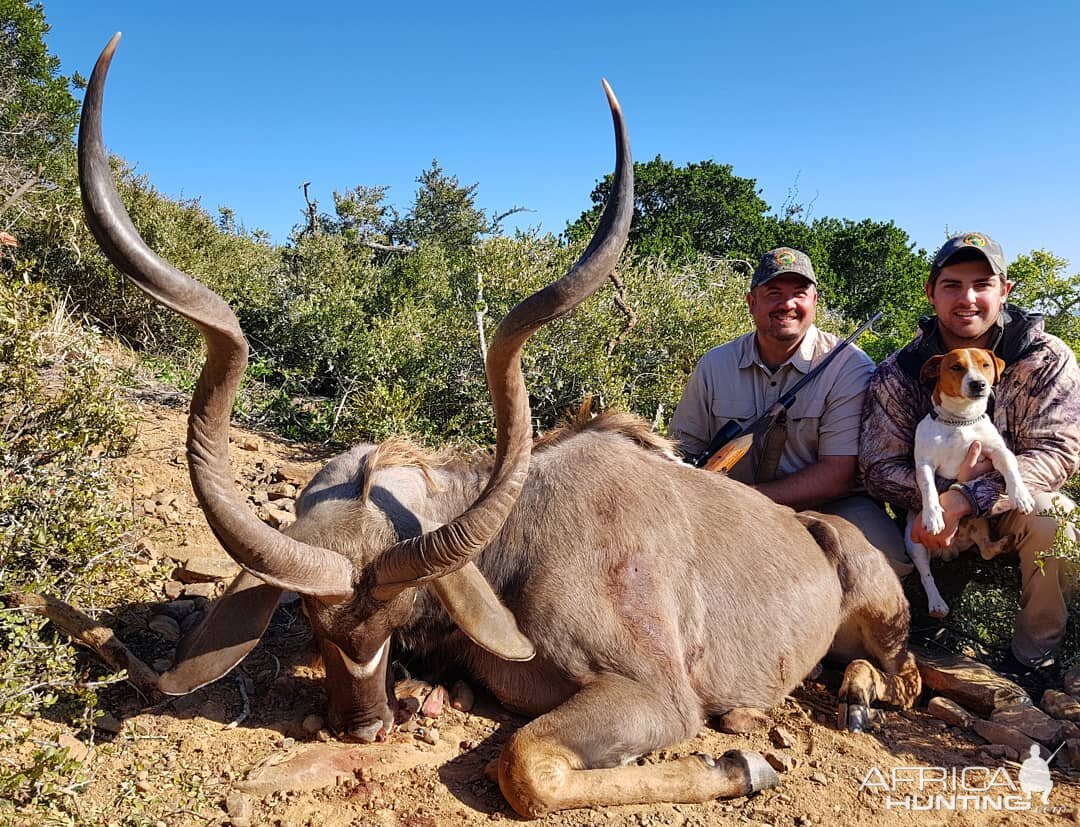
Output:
x,y
731,382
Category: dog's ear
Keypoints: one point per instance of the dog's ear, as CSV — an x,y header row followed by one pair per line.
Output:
x,y
929,373
999,366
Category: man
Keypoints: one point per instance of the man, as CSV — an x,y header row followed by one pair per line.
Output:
x,y
809,460
1037,411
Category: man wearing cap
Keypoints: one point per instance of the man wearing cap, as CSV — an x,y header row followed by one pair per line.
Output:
x,y
1036,409
808,459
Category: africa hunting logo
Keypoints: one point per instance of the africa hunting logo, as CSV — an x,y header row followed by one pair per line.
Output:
x,y
980,789
975,240
785,258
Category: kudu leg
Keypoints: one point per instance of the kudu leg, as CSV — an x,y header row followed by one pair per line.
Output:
x,y
880,618
579,754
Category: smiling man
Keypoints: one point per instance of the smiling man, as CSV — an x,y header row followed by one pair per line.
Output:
x,y
1037,411
809,458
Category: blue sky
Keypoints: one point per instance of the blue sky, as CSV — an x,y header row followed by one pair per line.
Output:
x,y
939,116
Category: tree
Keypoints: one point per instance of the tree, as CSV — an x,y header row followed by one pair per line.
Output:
x,y
1041,284
443,212
37,110
680,211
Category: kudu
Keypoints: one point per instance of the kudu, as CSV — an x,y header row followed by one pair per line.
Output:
x,y
607,588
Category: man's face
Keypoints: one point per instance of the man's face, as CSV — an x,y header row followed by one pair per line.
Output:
x,y
967,298
783,308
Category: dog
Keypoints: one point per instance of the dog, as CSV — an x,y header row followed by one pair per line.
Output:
x,y
963,379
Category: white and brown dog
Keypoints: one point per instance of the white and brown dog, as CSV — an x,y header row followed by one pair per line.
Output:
x,y
963,379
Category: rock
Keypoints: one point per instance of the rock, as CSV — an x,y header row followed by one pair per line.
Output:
x,y
997,733
280,490
178,609
166,627
782,738
295,473
108,723
950,712
429,735
207,569
312,724
1061,705
1032,722
973,685
246,442
76,748
820,778
743,719
238,806
1071,681
173,589
207,591
278,517
996,751
1072,753
461,696
432,706
781,761
191,622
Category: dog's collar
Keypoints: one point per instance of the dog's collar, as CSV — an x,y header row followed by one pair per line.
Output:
x,y
955,422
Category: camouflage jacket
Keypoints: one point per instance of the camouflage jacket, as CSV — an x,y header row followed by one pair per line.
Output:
x,y
1036,408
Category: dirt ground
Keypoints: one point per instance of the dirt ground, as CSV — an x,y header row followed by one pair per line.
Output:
x,y
186,761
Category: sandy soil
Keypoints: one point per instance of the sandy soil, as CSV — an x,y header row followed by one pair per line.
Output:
x,y
184,761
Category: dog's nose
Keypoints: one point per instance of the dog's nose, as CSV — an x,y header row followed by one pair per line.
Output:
x,y
977,387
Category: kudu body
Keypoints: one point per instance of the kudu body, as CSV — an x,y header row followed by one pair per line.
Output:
x,y
618,594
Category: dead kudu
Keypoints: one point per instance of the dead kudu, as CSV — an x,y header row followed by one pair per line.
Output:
x,y
621,615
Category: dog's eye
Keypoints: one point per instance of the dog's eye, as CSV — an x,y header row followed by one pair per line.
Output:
x,y
958,368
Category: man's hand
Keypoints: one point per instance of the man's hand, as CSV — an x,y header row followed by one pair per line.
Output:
x,y
955,506
974,464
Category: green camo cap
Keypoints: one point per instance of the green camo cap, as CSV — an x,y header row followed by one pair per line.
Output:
x,y
981,242
780,261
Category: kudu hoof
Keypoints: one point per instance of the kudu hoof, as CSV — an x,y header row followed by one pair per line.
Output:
x,y
759,775
857,717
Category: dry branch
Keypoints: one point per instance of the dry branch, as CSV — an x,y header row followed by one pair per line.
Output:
x,y
100,639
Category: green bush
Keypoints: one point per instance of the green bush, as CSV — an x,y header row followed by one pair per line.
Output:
x,y
60,529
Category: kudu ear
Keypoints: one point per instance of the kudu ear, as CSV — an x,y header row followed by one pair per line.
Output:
x,y
473,605
233,626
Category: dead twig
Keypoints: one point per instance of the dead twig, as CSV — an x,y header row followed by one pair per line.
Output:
x,y
101,640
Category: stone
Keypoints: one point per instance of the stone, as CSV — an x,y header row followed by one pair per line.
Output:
x,y
820,778
173,589
280,490
238,806
295,473
781,761
743,719
178,609
278,517
462,697
1071,681
996,751
1072,753
973,685
781,737
950,712
108,723
260,496
997,733
429,735
76,748
207,591
246,442
207,569
432,706
1061,705
191,622
1031,721
165,627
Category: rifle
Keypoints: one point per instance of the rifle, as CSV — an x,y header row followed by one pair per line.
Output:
x,y
731,442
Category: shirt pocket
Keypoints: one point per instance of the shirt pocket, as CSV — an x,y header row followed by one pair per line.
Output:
x,y
804,426
725,409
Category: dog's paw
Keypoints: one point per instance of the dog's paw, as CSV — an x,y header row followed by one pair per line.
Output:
x,y
933,519
938,608
1022,500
